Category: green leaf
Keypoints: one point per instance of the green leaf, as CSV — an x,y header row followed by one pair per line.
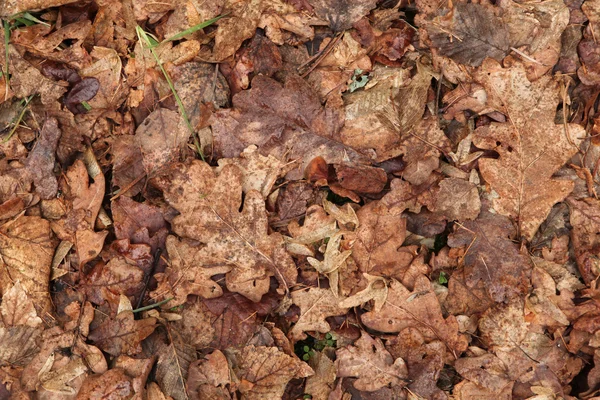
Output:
x,y
86,105
306,349
442,279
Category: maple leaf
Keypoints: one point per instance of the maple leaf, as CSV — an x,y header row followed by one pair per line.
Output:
x,y
264,372
210,213
531,147
369,361
419,309
315,305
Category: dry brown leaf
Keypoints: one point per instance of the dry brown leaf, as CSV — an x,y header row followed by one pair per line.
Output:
x,y
26,250
161,137
208,377
107,68
122,334
585,219
172,368
17,308
285,121
491,256
186,274
40,162
263,372
531,147
139,222
419,309
259,172
457,199
315,305
210,213
369,361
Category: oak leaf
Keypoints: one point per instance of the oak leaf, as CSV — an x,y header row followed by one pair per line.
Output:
x,y
18,309
186,274
172,368
122,334
315,305
210,213
369,361
40,161
419,309
531,146
264,372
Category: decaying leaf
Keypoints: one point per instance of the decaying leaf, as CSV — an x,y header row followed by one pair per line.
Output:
x,y
123,334
210,213
186,274
369,361
263,372
315,305
531,146
419,309
26,250
491,256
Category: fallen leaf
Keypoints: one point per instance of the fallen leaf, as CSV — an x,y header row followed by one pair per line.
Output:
x,y
12,7
264,372
369,361
26,250
17,308
40,162
123,334
315,305
522,175
491,256
210,213
419,309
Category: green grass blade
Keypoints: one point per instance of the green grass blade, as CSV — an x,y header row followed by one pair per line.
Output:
x,y
33,19
18,120
194,28
144,38
6,27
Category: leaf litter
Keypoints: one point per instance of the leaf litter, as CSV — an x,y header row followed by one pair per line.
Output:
x,y
318,199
